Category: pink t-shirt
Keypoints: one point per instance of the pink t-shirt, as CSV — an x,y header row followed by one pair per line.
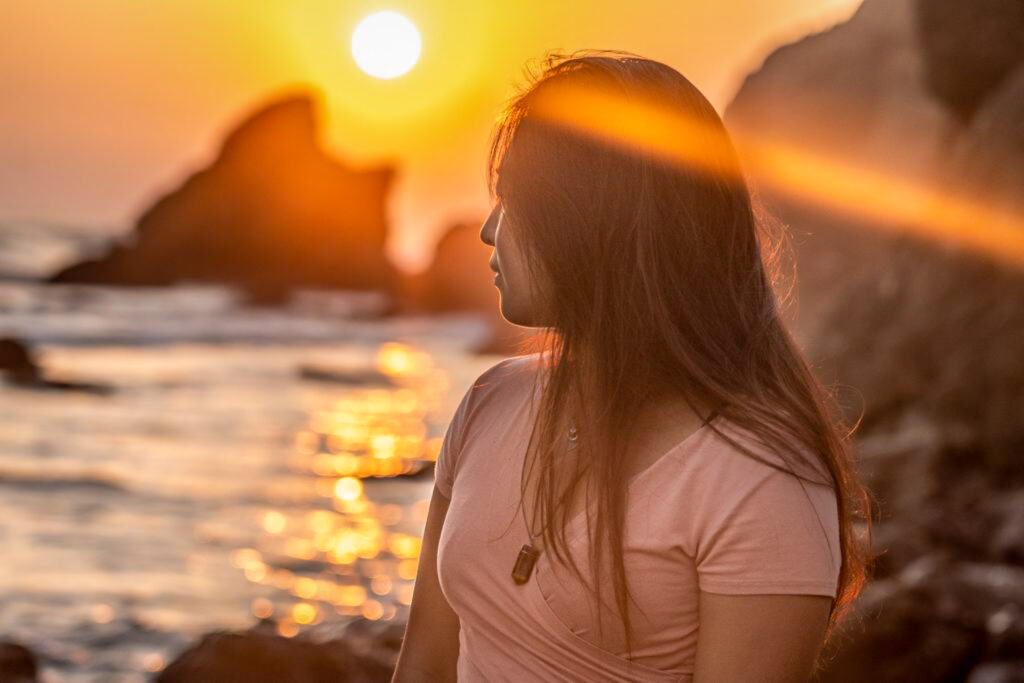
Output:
x,y
703,516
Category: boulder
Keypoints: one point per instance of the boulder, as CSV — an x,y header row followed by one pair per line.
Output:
x,y
939,620
18,664
460,279
257,658
18,366
986,161
932,331
457,278
355,653
969,48
17,363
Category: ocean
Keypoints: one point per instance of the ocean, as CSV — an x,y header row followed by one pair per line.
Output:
x,y
212,463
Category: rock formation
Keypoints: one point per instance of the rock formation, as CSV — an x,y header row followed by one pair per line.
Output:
x,y
921,333
361,652
854,93
18,664
969,49
17,363
18,367
271,213
459,279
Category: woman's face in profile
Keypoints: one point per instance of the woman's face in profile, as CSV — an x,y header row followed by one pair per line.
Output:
x,y
512,279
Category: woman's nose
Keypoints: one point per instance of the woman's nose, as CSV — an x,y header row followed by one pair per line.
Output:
x,y
487,231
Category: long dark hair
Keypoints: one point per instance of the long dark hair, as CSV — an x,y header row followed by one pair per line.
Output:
x,y
628,199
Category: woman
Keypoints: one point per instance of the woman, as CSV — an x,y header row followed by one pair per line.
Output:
x,y
660,490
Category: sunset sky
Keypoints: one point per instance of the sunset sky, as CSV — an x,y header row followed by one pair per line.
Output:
x,y
108,103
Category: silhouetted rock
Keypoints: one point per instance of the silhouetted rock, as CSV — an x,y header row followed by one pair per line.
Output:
x,y
460,279
886,311
19,367
855,95
375,642
257,658
17,664
969,48
272,213
358,654
855,92
17,364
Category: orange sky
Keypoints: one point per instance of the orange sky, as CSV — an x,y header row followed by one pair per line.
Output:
x,y
108,103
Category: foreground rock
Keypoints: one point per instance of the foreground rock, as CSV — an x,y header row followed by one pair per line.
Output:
x,y
17,365
969,49
363,652
917,321
272,213
855,95
17,664
927,343
936,621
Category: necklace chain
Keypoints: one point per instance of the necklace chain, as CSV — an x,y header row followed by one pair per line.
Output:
x,y
528,554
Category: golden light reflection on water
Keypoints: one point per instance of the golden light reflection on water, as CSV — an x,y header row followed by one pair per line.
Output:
x,y
354,556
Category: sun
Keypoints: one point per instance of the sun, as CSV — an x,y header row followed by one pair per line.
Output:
x,y
386,44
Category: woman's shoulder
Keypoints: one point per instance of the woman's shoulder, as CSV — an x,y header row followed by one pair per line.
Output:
x,y
734,451
490,398
751,525
506,378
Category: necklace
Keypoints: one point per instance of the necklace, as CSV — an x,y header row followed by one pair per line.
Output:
x,y
528,554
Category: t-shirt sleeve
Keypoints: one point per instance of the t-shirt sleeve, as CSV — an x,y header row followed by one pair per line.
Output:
x,y
769,537
451,446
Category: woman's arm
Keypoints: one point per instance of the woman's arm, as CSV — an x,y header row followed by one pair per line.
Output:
x,y
762,638
430,648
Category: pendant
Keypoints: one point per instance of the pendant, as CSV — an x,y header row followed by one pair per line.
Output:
x,y
524,563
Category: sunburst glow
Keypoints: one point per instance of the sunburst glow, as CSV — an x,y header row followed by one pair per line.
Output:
x,y
386,44
892,202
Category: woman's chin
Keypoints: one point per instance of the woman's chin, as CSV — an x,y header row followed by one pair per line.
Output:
x,y
508,313
516,317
